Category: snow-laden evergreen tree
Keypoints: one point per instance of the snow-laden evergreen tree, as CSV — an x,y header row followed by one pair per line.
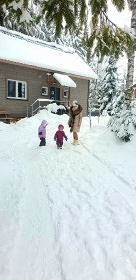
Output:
x,y
95,92
117,86
109,85
122,125
118,100
124,122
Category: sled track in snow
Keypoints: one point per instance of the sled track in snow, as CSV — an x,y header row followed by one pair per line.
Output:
x,y
110,168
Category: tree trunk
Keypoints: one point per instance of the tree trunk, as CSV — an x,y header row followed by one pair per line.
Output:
x,y
1,18
130,70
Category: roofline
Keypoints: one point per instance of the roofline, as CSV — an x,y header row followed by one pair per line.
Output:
x,y
34,40
43,69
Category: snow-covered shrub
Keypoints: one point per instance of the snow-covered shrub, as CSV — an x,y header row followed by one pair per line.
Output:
x,y
122,124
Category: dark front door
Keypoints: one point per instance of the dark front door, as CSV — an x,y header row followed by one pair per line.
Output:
x,y
55,94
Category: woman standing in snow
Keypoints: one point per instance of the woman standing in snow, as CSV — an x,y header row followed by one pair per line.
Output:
x,y
75,120
42,133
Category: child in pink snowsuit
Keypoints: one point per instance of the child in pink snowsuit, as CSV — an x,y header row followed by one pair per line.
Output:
x,y
59,135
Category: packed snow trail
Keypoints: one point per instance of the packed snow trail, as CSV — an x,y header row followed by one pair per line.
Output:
x,y
71,217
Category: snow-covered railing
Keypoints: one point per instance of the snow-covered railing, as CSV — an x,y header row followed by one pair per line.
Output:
x,y
39,100
38,105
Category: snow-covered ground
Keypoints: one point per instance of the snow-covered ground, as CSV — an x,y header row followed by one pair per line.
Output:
x,y
66,214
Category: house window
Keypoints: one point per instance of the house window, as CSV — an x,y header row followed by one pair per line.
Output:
x,y
16,89
65,92
44,90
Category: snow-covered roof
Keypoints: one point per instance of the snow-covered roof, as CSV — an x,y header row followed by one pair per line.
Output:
x,y
19,48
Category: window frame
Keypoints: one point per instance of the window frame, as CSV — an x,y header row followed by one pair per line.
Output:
x,y
43,87
65,90
16,89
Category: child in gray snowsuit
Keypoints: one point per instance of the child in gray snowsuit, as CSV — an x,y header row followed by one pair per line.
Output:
x,y
42,133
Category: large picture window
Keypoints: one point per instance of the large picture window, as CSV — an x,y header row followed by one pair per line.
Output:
x,y
16,89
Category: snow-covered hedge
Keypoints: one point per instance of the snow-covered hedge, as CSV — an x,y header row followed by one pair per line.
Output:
x,y
123,123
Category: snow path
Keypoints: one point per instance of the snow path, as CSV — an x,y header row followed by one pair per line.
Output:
x,y
66,225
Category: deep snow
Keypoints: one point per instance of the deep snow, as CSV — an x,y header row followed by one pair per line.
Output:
x,y
66,214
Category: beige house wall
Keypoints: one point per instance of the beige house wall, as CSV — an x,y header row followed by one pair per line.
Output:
x,y
35,79
80,93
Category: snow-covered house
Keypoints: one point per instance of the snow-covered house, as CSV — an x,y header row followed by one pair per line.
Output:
x,y
32,69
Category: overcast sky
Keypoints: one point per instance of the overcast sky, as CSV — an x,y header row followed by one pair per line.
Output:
x,y
123,18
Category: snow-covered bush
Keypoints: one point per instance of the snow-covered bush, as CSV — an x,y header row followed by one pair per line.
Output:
x,y
122,124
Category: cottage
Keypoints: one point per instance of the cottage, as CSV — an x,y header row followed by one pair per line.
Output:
x,y
32,69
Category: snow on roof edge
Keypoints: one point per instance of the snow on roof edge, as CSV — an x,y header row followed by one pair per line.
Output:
x,y
34,40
